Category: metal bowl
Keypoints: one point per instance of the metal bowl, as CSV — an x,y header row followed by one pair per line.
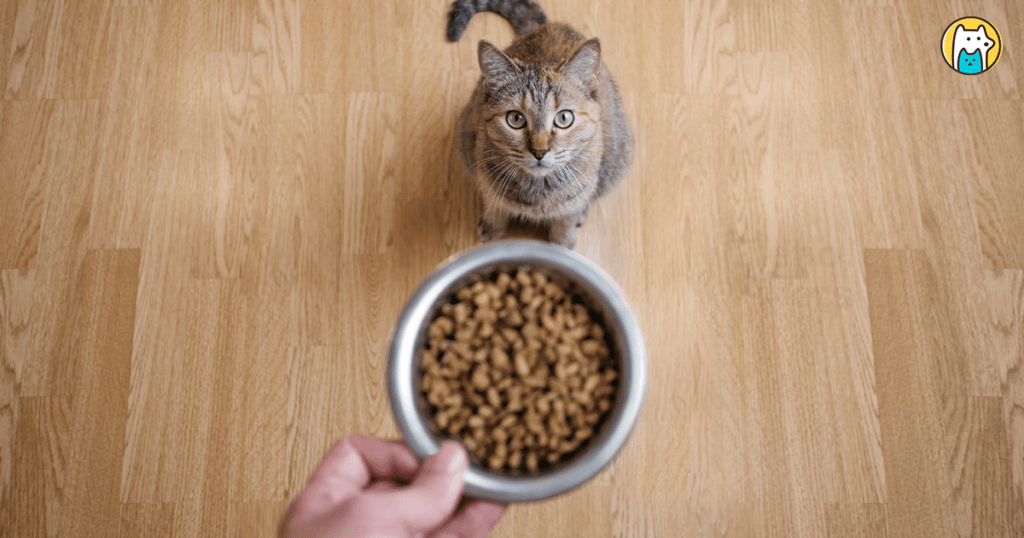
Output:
x,y
602,296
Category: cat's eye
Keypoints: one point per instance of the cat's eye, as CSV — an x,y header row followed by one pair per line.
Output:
x,y
564,119
515,119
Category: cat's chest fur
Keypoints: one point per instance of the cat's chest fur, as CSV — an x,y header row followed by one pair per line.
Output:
x,y
538,199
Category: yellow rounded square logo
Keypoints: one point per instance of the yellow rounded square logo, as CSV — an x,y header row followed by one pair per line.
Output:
x,y
971,45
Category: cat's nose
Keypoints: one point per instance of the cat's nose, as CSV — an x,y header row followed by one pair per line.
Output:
x,y
539,153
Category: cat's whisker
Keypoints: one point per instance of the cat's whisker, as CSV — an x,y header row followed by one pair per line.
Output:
x,y
491,153
487,160
505,174
582,184
494,196
577,182
505,178
507,183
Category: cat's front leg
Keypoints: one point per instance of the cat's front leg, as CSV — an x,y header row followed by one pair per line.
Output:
x,y
565,231
492,225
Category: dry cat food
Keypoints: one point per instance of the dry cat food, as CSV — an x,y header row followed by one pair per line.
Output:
x,y
518,369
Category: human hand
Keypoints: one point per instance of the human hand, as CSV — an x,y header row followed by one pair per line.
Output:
x,y
341,502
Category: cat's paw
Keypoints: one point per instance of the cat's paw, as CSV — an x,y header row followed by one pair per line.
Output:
x,y
566,231
490,231
564,236
567,243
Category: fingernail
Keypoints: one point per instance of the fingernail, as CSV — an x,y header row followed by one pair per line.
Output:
x,y
456,467
455,485
458,460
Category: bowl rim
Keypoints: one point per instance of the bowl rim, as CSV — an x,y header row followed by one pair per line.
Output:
x,y
620,320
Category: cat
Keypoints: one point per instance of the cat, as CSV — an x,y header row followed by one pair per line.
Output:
x,y
971,43
544,134
970,63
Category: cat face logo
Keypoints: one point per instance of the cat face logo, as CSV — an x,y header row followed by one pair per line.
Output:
x,y
971,45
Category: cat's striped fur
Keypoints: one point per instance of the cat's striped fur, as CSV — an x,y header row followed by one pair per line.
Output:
x,y
525,15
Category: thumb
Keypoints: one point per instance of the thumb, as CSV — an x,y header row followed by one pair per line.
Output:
x,y
431,497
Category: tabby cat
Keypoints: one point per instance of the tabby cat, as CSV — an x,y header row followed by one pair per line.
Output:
x,y
544,134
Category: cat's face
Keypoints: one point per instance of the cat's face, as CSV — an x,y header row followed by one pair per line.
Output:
x,y
970,63
542,127
971,40
539,120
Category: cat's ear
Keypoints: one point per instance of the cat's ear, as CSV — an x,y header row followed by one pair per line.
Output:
x,y
585,64
959,29
494,65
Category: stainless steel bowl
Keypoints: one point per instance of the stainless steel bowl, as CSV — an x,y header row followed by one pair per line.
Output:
x,y
603,297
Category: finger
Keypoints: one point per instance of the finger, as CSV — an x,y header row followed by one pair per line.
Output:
x,y
431,497
347,469
387,458
475,520
382,486
356,459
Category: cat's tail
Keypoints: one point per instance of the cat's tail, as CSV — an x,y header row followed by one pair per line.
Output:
x,y
525,15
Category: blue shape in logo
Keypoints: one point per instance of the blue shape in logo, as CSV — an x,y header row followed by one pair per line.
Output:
x,y
970,63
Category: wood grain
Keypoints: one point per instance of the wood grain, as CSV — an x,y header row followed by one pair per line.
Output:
x,y
162,287
144,520
211,215
256,519
23,202
34,488
855,521
106,290
8,16
342,38
55,434
702,32
236,164
978,494
997,128
276,46
1008,316
124,164
913,393
947,183
34,47
38,299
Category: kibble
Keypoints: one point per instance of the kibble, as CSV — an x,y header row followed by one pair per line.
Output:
x,y
518,370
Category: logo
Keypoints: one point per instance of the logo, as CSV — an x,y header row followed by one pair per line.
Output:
x,y
971,45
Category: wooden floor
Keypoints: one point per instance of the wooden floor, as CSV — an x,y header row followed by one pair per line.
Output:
x,y
211,214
